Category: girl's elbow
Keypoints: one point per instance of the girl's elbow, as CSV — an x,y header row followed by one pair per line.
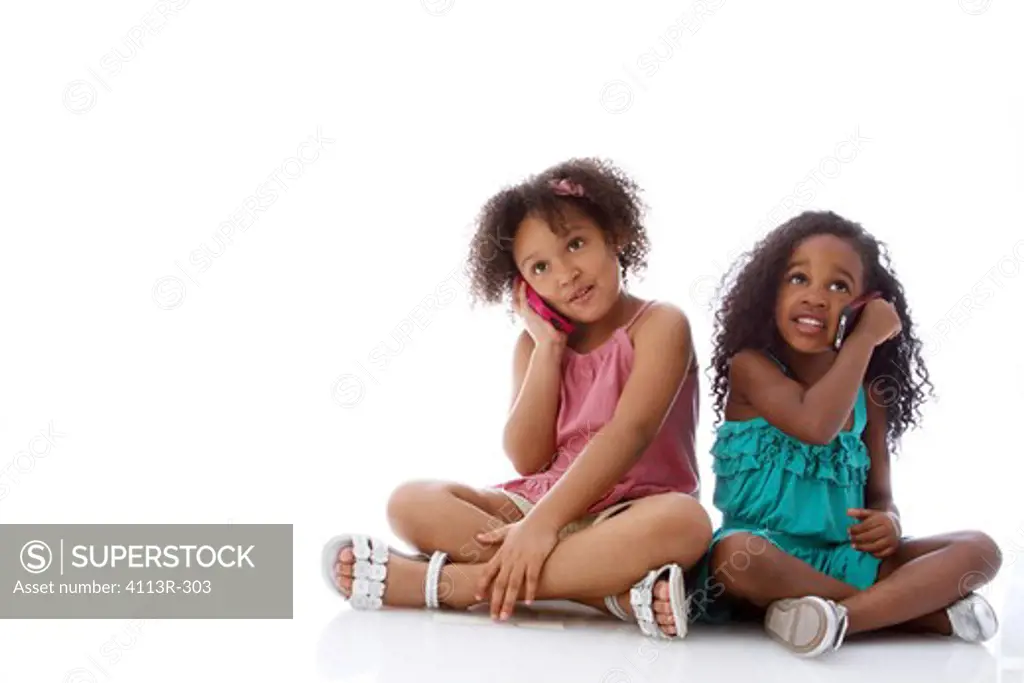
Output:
x,y
524,462
525,471
817,438
507,443
817,434
526,466
511,443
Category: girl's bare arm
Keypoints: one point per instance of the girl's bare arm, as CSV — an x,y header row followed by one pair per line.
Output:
x,y
529,437
878,495
814,415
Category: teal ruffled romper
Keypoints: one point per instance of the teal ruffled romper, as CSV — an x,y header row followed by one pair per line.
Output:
x,y
794,494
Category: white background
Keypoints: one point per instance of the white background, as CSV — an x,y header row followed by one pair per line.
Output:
x,y
248,391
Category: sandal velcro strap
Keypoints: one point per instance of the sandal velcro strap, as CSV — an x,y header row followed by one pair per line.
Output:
x,y
367,570
367,594
641,597
370,571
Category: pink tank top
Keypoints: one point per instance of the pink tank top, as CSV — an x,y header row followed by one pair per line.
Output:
x,y
591,385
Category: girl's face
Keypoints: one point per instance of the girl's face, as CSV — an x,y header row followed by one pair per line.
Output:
x,y
824,274
576,272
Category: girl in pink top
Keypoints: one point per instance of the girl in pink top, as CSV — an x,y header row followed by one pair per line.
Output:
x,y
601,430
591,385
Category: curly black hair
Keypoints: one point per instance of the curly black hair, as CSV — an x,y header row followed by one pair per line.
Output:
x,y
610,198
745,316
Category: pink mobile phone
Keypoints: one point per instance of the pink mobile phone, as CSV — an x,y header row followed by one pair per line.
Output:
x,y
541,308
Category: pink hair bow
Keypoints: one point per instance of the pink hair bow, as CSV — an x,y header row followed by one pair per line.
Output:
x,y
566,188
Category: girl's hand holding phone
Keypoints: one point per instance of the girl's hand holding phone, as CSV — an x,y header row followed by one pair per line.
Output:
x,y
543,332
879,321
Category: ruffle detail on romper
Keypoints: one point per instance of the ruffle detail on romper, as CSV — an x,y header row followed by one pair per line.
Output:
x,y
742,447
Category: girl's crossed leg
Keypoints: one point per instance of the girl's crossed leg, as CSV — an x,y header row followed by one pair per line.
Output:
x,y
605,559
914,586
446,516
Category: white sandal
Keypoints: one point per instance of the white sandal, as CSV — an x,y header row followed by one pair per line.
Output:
x,y
641,597
370,570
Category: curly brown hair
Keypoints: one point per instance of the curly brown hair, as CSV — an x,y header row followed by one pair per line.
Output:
x,y
610,198
745,316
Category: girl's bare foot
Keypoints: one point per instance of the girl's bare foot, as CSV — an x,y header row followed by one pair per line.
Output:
x,y
404,583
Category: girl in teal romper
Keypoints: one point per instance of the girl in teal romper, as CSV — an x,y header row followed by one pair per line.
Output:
x,y
810,540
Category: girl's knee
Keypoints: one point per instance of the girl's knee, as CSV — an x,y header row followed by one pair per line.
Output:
x,y
406,502
742,565
986,549
683,523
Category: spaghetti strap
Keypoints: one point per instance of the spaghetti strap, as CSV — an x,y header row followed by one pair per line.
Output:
x,y
782,366
637,315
